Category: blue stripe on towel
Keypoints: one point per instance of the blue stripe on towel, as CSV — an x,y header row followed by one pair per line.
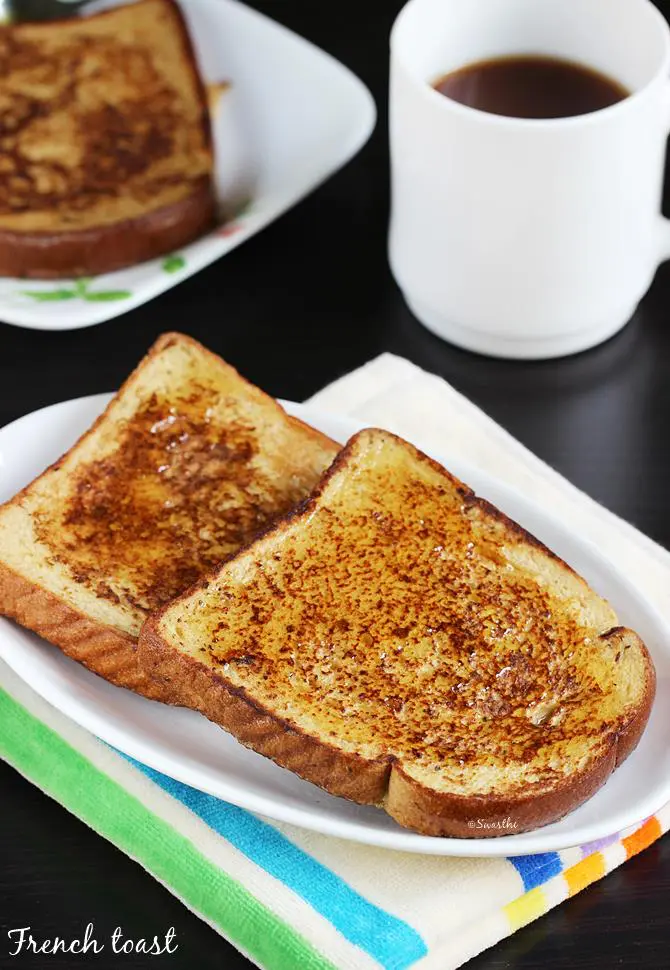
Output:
x,y
536,869
388,940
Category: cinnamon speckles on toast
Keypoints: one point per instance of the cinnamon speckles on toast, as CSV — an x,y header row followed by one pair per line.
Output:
x,y
105,145
188,462
400,642
358,615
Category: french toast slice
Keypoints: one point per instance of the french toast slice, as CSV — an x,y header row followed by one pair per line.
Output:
x,y
400,642
105,145
185,465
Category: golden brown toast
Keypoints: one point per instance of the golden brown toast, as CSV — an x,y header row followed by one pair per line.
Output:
x,y
186,464
400,642
105,146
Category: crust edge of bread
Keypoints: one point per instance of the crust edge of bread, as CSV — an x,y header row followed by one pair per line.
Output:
x,y
160,343
443,814
106,248
382,781
103,649
342,773
50,616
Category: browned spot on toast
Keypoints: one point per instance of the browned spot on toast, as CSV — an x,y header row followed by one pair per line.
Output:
x,y
178,494
420,651
105,146
398,617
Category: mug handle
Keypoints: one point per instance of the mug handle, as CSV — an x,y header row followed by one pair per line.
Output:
x,y
663,223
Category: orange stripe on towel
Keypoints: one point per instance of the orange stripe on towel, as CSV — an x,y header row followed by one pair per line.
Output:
x,y
644,836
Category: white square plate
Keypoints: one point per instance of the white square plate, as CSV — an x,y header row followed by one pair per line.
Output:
x,y
292,116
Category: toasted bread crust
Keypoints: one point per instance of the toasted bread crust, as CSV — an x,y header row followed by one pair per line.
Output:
x,y
103,649
161,343
185,682
190,58
631,732
103,249
116,241
441,814
172,336
383,781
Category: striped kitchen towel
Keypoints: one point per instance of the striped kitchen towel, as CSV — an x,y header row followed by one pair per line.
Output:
x,y
291,899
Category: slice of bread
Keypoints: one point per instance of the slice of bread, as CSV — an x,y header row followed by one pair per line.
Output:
x,y
400,642
186,464
105,146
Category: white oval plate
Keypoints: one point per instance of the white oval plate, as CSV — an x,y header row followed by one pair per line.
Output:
x,y
187,747
292,116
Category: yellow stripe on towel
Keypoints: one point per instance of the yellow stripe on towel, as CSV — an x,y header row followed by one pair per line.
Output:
x,y
526,908
582,874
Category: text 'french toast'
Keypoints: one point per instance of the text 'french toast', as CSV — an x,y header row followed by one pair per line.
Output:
x,y
186,464
400,642
105,145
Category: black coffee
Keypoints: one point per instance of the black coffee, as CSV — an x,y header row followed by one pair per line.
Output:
x,y
531,87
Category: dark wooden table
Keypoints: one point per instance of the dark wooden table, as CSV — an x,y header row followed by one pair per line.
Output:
x,y
305,301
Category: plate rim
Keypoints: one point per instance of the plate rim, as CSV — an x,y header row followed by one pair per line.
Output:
x,y
529,843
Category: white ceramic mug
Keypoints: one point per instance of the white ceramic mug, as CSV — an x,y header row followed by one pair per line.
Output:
x,y
527,238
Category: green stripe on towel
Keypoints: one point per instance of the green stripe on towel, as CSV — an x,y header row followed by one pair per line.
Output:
x,y
64,774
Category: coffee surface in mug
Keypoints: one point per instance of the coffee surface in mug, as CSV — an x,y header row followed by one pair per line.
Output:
x,y
531,86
